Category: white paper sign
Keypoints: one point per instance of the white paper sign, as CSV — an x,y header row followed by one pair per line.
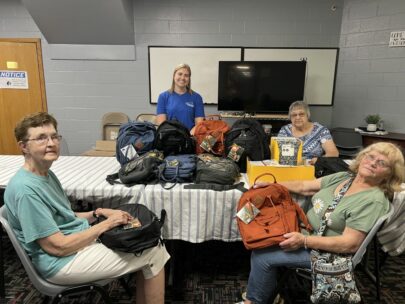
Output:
x,y
397,39
13,79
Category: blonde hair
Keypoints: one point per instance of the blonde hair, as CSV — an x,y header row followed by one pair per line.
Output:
x,y
396,164
182,66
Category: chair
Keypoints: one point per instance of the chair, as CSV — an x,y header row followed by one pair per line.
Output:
x,y
53,292
111,123
356,259
146,117
347,141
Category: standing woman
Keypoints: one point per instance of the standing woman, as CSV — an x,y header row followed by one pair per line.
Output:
x,y
180,102
317,140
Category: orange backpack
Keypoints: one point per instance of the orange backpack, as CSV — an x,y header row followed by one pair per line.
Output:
x,y
214,128
279,214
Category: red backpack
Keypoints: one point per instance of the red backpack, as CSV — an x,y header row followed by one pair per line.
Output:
x,y
278,215
215,129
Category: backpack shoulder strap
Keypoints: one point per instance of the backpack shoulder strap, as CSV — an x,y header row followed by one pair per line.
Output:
x,y
217,187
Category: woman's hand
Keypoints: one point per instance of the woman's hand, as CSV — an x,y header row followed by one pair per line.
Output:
x,y
116,217
106,212
294,240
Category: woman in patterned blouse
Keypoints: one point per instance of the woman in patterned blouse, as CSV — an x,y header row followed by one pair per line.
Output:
x,y
317,140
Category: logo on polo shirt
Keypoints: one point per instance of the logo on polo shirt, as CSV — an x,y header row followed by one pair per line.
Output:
x,y
190,104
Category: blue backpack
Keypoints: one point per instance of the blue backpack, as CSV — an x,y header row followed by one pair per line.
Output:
x,y
178,169
134,139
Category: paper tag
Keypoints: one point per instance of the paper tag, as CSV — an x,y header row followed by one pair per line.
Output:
x,y
208,142
248,213
129,152
287,150
235,152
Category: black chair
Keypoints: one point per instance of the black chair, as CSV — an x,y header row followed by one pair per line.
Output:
x,y
348,142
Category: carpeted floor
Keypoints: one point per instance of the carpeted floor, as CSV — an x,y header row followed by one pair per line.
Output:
x,y
214,272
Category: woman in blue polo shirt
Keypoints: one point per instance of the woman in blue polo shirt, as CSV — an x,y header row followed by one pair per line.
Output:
x,y
180,102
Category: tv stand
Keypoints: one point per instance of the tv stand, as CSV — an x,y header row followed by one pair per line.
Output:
x,y
254,115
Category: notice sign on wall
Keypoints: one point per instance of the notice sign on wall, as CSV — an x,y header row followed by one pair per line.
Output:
x,y
13,80
397,38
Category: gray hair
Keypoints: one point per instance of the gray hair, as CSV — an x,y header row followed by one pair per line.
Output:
x,y
299,104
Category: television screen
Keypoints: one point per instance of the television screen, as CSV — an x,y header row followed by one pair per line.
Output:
x,y
260,86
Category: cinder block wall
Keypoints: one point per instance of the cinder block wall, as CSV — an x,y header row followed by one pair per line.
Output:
x,y
80,92
371,75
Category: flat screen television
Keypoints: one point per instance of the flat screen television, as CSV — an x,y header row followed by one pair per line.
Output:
x,y
260,86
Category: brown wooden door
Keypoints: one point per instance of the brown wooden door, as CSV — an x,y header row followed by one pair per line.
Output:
x,y
20,55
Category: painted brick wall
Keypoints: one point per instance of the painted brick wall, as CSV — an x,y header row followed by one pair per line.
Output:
x,y
371,75
80,92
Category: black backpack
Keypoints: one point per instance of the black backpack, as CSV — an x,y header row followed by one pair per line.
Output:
x,y
249,134
135,239
140,170
134,138
174,138
329,165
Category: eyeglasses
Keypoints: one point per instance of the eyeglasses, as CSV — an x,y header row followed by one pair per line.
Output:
x,y
43,139
300,114
379,162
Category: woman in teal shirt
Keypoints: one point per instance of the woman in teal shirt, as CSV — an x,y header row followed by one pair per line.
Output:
x,y
60,242
377,172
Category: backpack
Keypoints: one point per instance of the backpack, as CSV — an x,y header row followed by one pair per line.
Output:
x,y
275,214
139,170
329,165
137,238
174,138
208,130
249,134
216,170
134,138
177,169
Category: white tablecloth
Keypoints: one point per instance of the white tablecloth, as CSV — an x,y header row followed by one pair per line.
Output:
x,y
192,215
82,178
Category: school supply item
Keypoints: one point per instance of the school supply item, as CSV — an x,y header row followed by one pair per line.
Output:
x,y
134,138
173,138
286,150
332,273
139,170
216,170
143,232
329,165
177,169
210,136
265,214
249,135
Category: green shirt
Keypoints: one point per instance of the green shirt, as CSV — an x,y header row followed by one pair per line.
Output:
x,y
358,211
38,207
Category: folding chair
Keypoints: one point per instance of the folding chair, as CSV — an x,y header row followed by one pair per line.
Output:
x,y
53,292
111,123
357,260
146,117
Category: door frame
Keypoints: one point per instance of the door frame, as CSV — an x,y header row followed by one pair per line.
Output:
x,y
37,42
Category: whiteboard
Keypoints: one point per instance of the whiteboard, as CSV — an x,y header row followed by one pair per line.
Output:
x,y
321,69
203,61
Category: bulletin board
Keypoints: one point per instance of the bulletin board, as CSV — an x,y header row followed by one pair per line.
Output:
x,y
321,68
203,61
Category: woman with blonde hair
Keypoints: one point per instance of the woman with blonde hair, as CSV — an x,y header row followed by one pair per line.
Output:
x,y
376,173
180,102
